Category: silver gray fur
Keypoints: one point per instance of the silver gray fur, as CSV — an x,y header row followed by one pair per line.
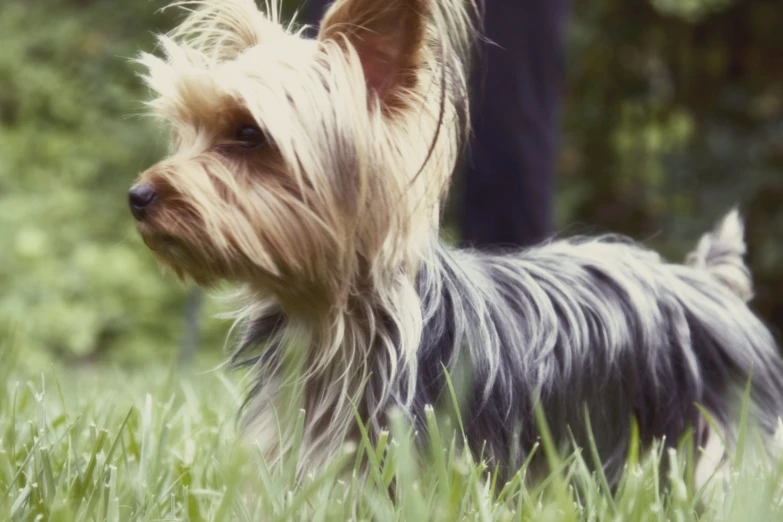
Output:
x,y
600,323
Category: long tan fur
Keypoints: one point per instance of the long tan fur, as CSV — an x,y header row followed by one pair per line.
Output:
x,y
319,228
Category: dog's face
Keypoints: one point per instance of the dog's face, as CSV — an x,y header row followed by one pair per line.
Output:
x,y
295,163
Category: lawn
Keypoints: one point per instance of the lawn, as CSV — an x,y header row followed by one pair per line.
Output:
x,y
98,444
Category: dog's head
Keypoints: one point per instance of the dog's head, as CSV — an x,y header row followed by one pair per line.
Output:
x,y
303,165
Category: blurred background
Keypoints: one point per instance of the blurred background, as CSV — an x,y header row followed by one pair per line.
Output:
x,y
673,113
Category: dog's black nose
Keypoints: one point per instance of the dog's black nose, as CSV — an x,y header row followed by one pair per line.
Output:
x,y
140,198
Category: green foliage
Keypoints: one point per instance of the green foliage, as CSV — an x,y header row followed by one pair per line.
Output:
x,y
690,9
672,116
73,272
106,447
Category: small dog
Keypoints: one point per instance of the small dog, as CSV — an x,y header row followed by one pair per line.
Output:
x,y
312,172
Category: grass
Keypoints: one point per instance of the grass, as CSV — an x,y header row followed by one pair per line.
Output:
x,y
98,445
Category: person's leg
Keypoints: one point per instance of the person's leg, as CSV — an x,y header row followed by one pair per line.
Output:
x,y
311,13
508,184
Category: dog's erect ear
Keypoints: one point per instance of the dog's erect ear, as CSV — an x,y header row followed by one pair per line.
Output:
x,y
388,36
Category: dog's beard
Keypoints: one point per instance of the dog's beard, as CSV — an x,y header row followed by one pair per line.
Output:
x,y
187,225
185,261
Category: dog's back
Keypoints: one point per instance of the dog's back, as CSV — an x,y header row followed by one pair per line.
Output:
x,y
605,324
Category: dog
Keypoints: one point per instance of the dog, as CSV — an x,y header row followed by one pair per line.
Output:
x,y
311,173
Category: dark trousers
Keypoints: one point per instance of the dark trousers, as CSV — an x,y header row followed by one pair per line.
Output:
x,y
507,188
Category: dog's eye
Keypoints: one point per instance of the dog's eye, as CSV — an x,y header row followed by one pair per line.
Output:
x,y
250,137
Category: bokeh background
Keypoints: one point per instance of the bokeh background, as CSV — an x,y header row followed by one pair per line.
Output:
x,y
673,112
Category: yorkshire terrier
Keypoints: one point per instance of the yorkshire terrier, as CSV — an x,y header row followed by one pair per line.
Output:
x,y
312,172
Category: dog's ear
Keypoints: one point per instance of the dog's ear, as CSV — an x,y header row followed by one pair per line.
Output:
x,y
388,36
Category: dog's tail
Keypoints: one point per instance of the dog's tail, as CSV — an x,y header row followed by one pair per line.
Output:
x,y
721,253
